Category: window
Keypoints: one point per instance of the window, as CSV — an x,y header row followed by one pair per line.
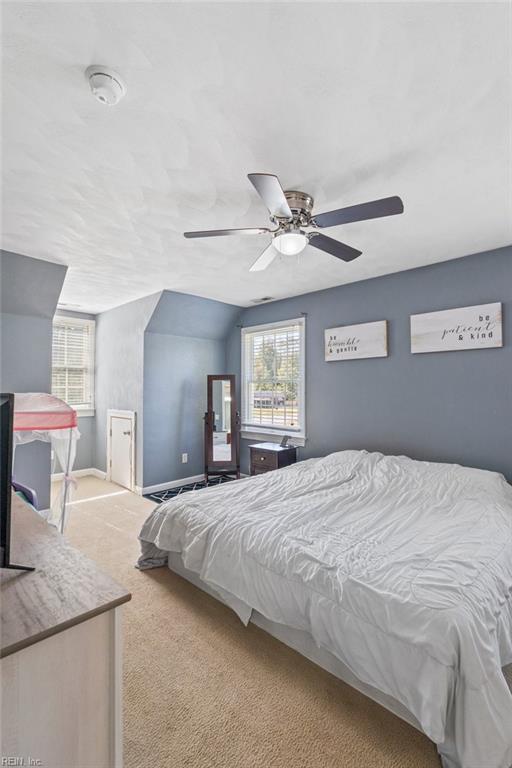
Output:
x,y
73,361
273,399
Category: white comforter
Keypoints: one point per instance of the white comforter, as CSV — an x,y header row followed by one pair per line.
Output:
x,y
402,569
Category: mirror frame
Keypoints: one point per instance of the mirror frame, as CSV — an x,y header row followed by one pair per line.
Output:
x,y
212,467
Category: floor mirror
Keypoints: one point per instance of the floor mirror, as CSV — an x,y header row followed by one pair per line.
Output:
x,y
221,428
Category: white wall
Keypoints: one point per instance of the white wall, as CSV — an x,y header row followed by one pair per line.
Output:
x,y
120,370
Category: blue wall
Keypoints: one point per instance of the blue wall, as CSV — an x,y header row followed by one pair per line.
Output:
x,y
30,290
175,370
184,342
450,406
86,446
182,314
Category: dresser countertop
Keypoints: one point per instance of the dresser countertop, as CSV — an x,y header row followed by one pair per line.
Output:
x,y
65,589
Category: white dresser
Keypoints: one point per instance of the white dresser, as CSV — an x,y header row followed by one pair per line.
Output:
x,y
61,662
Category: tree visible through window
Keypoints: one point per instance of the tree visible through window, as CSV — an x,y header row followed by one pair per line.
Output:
x,y
73,361
273,376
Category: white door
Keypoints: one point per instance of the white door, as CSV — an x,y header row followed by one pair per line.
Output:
x,y
121,451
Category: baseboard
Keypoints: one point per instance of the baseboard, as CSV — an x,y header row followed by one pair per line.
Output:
x,y
82,473
99,473
138,489
171,484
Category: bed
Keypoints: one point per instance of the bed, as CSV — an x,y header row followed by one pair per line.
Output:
x,y
398,573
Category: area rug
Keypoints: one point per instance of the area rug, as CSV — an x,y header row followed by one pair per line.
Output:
x,y
170,493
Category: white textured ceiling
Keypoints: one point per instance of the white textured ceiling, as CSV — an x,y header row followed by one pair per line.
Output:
x,y
349,102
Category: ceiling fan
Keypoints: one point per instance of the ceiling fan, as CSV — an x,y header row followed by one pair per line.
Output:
x,y
291,211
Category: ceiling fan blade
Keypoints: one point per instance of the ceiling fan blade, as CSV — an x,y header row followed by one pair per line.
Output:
x,y
271,192
266,258
388,206
334,247
221,232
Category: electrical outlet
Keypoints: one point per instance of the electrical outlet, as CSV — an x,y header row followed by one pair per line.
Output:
x,y
184,458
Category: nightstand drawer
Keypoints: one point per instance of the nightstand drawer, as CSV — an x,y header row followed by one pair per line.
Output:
x,y
263,460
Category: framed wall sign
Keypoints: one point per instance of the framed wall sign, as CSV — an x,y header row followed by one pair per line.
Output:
x,y
354,342
453,329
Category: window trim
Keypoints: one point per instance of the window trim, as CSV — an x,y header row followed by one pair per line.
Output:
x,y
87,409
255,431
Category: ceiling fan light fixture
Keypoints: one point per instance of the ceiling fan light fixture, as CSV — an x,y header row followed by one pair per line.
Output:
x,y
290,243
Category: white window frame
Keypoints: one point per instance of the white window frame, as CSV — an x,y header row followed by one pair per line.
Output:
x,y
274,434
82,410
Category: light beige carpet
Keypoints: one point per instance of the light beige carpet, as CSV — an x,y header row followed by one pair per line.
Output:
x,y
202,691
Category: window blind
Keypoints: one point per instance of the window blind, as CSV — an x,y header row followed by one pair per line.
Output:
x,y
73,361
273,376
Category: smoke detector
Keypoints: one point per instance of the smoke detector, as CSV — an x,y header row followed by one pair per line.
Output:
x,y
106,85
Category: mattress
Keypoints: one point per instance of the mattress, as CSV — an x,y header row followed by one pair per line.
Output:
x,y
400,569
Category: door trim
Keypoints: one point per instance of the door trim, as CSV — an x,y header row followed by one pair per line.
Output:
x,y
113,412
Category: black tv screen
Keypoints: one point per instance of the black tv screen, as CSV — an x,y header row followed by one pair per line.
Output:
x,y
6,420
6,441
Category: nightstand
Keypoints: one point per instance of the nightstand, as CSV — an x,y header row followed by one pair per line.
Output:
x,y
268,456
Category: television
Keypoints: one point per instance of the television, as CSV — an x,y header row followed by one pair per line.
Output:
x,y
6,440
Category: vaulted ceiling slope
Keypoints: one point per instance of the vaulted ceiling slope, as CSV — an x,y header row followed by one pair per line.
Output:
x,y
28,286
181,314
347,101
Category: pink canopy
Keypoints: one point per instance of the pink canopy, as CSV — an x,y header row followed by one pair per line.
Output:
x,y
39,411
40,416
